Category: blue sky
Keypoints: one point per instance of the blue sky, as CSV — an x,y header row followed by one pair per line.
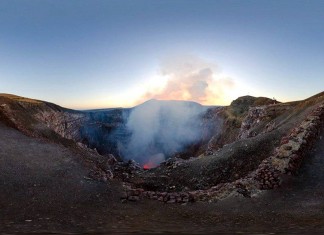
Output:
x,y
94,54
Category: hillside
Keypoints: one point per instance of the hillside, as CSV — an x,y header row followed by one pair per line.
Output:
x,y
254,166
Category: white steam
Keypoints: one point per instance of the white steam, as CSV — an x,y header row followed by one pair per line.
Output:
x,y
162,128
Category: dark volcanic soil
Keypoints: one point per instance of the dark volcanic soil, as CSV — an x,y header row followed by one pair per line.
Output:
x,y
43,190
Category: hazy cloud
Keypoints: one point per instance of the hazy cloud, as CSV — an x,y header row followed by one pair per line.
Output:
x,y
191,78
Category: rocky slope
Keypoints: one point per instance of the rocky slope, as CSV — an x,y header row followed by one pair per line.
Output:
x,y
261,161
41,119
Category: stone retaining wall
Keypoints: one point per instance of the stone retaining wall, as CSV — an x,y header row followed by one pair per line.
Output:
x,y
288,156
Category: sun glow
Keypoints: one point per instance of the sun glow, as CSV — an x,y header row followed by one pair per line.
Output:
x,y
134,96
185,78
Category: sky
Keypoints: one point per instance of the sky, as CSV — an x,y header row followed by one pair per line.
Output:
x,y
86,54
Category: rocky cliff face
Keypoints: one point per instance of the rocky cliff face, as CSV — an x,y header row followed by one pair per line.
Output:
x,y
237,120
106,131
67,124
261,119
42,119
102,130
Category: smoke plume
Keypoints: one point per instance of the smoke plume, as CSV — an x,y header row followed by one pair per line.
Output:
x,y
162,128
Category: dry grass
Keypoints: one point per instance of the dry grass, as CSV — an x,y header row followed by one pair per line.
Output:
x,y
20,99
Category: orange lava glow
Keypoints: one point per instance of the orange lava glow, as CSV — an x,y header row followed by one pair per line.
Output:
x,y
148,166
153,161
